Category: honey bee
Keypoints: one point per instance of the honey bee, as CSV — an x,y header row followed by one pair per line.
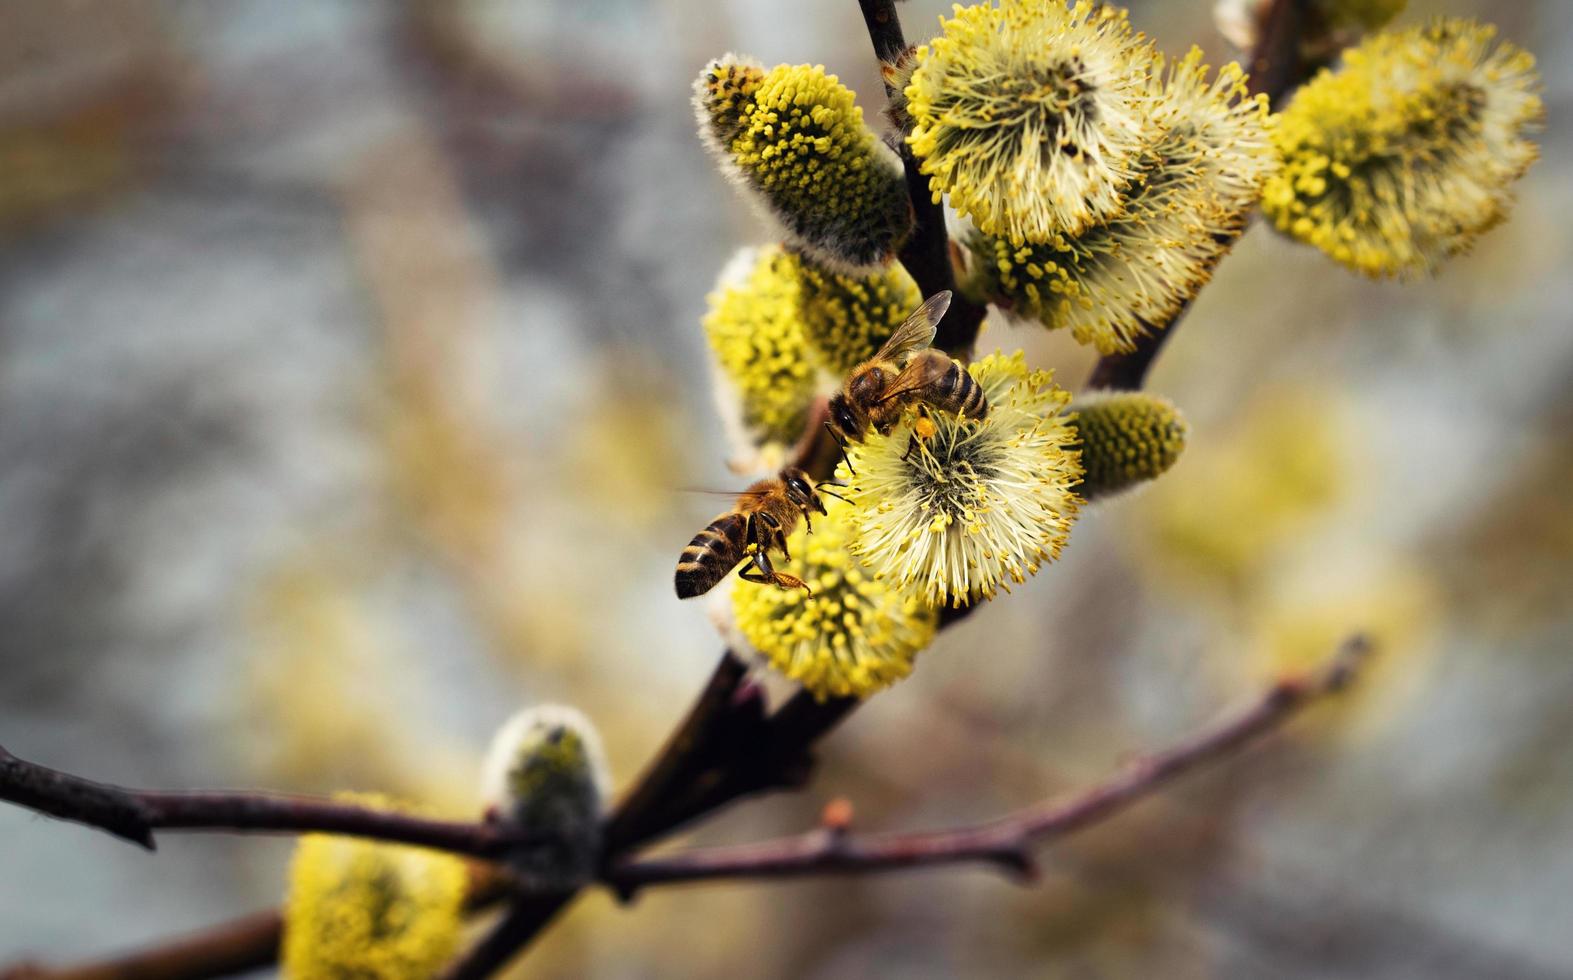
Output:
x,y
904,372
757,524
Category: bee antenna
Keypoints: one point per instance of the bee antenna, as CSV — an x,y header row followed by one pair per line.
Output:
x,y
841,444
832,493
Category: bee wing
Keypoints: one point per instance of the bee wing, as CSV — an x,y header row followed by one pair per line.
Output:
x,y
917,331
724,493
920,373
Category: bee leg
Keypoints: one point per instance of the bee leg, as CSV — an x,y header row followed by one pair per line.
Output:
x,y
760,571
923,429
782,580
771,536
758,568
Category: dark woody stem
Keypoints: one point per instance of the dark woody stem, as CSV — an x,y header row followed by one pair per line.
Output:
x,y
1276,69
135,814
1008,842
926,252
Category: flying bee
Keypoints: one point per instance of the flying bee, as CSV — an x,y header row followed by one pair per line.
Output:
x,y
764,515
905,371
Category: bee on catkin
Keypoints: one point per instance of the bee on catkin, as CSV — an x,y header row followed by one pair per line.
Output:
x,y
759,523
906,371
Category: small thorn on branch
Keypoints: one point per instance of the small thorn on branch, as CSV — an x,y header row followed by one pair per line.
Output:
x,y
1019,864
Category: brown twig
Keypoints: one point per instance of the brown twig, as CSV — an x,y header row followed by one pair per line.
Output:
x,y
249,943
134,814
1008,842
68,797
926,252
1005,843
1276,69
683,754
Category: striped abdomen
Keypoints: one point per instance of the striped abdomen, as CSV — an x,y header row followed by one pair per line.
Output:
x,y
957,392
714,551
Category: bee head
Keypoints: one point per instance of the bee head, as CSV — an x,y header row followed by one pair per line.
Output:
x,y
800,489
843,419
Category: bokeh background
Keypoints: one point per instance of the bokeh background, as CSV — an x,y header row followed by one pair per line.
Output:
x,y
350,367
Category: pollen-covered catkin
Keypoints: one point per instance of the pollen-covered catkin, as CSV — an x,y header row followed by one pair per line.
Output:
x,y
1130,274
754,324
1127,438
795,140
1030,115
724,97
847,318
856,635
978,505
365,909
1407,152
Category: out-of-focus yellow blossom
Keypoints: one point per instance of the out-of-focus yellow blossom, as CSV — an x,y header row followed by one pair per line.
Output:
x,y
795,138
854,636
1297,631
546,772
848,317
785,327
1400,158
370,911
755,328
1030,115
980,504
1133,272
1233,502
1126,438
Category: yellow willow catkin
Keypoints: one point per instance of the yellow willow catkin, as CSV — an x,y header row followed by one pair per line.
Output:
x,y
755,327
546,773
364,910
847,318
794,139
1127,438
1399,159
1130,274
980,504
856,635
1030,115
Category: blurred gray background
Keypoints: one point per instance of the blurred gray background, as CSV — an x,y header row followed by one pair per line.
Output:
x,y
349,367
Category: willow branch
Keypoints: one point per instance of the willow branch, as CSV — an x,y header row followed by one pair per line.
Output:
x,y
926,252
1275,70
682,755
134,815
1006,843
250,943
